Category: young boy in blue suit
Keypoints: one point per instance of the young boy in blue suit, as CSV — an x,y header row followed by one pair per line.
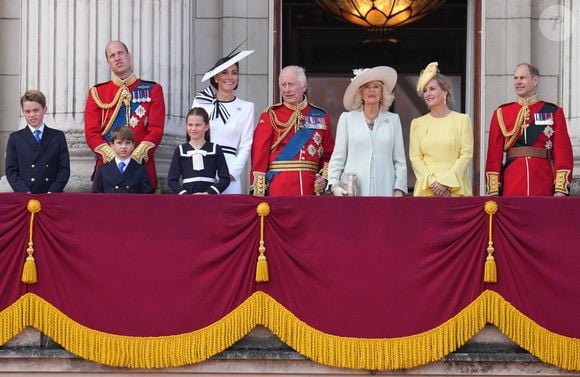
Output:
x,y
37,159
123,175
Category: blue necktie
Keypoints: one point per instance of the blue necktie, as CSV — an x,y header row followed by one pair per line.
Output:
x,y
37,135
122,167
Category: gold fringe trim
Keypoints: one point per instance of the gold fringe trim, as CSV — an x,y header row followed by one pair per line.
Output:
x,y
369,353
141,352
551,348
323,348
13,319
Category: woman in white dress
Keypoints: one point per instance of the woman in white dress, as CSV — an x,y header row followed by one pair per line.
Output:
x,y
369,138
231,118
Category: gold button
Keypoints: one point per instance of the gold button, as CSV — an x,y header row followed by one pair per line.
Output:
x,y
47,179
116,187
46,165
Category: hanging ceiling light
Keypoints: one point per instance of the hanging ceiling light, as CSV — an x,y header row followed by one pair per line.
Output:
x,y
381,14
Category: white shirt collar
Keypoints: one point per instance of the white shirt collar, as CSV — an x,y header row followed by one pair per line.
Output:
x,y
32,129
126,161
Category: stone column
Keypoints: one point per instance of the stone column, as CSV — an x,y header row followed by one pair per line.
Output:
x,y
62,51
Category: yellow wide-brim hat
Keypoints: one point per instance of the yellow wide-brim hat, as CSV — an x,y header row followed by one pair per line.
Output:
x,y
384,74
427,75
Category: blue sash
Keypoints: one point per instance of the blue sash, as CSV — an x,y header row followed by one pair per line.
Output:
x,y
143,92
297,141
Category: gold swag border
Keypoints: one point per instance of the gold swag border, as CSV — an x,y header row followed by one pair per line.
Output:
x,y
323,348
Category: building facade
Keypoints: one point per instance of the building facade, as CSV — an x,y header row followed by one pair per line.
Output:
x,y
57,46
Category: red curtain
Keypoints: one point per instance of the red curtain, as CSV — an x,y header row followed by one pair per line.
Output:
x,y
150,266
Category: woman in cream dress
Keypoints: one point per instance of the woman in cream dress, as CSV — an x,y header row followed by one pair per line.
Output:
x,y
369,138
441,142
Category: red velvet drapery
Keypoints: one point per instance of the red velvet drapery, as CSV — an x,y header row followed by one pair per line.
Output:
x,y
363,270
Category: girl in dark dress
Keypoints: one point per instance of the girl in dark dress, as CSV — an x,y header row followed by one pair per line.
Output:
x,y
198,166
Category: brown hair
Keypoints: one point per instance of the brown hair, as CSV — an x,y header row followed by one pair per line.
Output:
x,y
534,71
198,111
122,133
33,96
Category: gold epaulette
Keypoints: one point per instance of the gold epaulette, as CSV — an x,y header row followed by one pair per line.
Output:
x,y
271,107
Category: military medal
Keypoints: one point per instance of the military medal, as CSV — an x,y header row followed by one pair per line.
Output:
x,y
312,150
133,122
140,111
544,119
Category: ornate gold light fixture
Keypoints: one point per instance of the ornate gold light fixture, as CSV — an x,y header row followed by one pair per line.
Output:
x,y
380,14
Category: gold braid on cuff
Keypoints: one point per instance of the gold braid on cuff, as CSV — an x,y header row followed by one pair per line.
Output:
x,y
106,151
259,186
561,183
492,180
140,153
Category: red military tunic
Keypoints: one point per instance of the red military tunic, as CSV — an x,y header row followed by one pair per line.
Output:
x,y
136,103
289,149
538,158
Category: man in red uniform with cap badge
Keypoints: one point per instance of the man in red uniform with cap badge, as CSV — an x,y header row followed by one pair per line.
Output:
x,y
534,138
292,142
125,101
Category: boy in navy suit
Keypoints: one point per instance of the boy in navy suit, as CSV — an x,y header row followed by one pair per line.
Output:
x,y
37,159
122,175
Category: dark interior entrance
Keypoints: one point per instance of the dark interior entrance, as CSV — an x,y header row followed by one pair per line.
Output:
x,y
329,49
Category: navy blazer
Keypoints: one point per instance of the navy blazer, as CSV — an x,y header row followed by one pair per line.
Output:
x,y
37,167
134,179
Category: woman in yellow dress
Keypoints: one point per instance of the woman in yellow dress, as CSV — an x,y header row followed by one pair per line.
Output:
x,y
441,142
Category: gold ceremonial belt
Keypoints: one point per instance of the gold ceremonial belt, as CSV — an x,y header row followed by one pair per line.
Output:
x,y
293,166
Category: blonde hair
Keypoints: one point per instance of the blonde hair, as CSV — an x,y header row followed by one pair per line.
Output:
x,y
387,98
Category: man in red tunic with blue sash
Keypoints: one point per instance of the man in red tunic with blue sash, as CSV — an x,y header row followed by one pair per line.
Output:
x,y
533,136
125,100
291,143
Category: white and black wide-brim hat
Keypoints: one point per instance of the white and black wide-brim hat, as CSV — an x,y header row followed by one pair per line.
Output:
x,y
221,65
352,97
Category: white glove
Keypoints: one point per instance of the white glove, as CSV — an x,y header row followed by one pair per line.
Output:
x,y
337,190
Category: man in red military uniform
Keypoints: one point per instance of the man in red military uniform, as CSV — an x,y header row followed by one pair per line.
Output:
x,y
292,142
125,100
534,137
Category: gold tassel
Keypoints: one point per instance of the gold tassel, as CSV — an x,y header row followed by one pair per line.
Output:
x,y
29,275
262,275
490,269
